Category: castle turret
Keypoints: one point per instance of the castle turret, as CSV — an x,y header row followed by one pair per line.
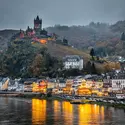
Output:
x,y
37,24
21,34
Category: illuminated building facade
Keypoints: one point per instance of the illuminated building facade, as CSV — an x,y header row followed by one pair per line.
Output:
x,y
73,62
118,84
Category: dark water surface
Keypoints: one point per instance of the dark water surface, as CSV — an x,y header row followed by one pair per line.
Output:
x,y
15,111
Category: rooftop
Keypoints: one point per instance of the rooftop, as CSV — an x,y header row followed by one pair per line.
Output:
x,y
71,58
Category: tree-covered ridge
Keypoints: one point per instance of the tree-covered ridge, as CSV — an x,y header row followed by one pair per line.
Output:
x,y
22,59
97,35
83,37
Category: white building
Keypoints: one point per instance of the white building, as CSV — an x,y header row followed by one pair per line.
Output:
x,y
62,85
73,61
118,84
1,83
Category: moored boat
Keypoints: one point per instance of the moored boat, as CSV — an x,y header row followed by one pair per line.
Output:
x,y
77,101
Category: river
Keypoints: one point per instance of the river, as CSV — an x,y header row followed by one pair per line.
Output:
x,y
15,111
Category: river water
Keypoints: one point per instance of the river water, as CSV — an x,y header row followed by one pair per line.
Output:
x,y
15,111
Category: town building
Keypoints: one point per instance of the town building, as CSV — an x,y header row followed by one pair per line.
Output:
x,y
1,82
61,83
118,84
107,83
30,32
73,62
4,84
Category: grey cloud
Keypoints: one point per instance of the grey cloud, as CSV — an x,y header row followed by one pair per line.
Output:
x,y
20,13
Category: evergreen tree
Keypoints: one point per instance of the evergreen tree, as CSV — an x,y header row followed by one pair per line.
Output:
x,y
44,32
92,53
123,36
65,42
93,69
88,67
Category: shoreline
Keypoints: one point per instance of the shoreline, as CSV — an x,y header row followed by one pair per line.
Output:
x,y
115,105
34,95
53,97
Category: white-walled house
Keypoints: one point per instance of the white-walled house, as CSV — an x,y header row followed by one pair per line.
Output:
x,y
118,84
1,83
73,62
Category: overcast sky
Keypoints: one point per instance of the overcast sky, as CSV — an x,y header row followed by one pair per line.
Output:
x,y
20,13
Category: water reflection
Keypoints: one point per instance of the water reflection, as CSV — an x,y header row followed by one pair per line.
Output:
x,y
67,110
15,111
63,113
57,110
84,114
90,114
38,111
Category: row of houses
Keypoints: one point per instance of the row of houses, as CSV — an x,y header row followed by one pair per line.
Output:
x,y
80,84
115,84
6,84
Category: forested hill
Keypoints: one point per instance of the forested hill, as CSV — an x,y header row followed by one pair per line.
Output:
x,y
98,35
5,36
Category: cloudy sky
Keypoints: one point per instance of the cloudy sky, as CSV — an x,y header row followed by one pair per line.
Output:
x,y
20,13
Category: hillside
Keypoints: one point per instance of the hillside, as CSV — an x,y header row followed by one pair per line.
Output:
x,y
97,35
5,36
25,58
60,51
93,35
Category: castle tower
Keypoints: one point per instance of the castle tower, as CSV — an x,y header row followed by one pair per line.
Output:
x,y
21,34
37,24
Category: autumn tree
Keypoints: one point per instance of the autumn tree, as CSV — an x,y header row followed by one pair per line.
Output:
x,y
18,58
37,66
45,65
109,66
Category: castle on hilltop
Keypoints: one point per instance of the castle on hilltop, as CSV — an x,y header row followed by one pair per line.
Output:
x,y
37,27
36,34
37,24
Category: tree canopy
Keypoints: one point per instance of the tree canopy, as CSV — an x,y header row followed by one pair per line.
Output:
x,y
24,60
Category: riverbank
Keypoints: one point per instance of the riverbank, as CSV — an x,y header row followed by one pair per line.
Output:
x,y
34,95
115,105
61,98
55,97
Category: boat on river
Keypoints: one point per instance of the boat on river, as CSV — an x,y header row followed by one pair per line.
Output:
x,y
79,101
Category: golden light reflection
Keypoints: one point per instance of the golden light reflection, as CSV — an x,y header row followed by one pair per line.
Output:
x,y
90,114
67,113
38,111
57,109
86,114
